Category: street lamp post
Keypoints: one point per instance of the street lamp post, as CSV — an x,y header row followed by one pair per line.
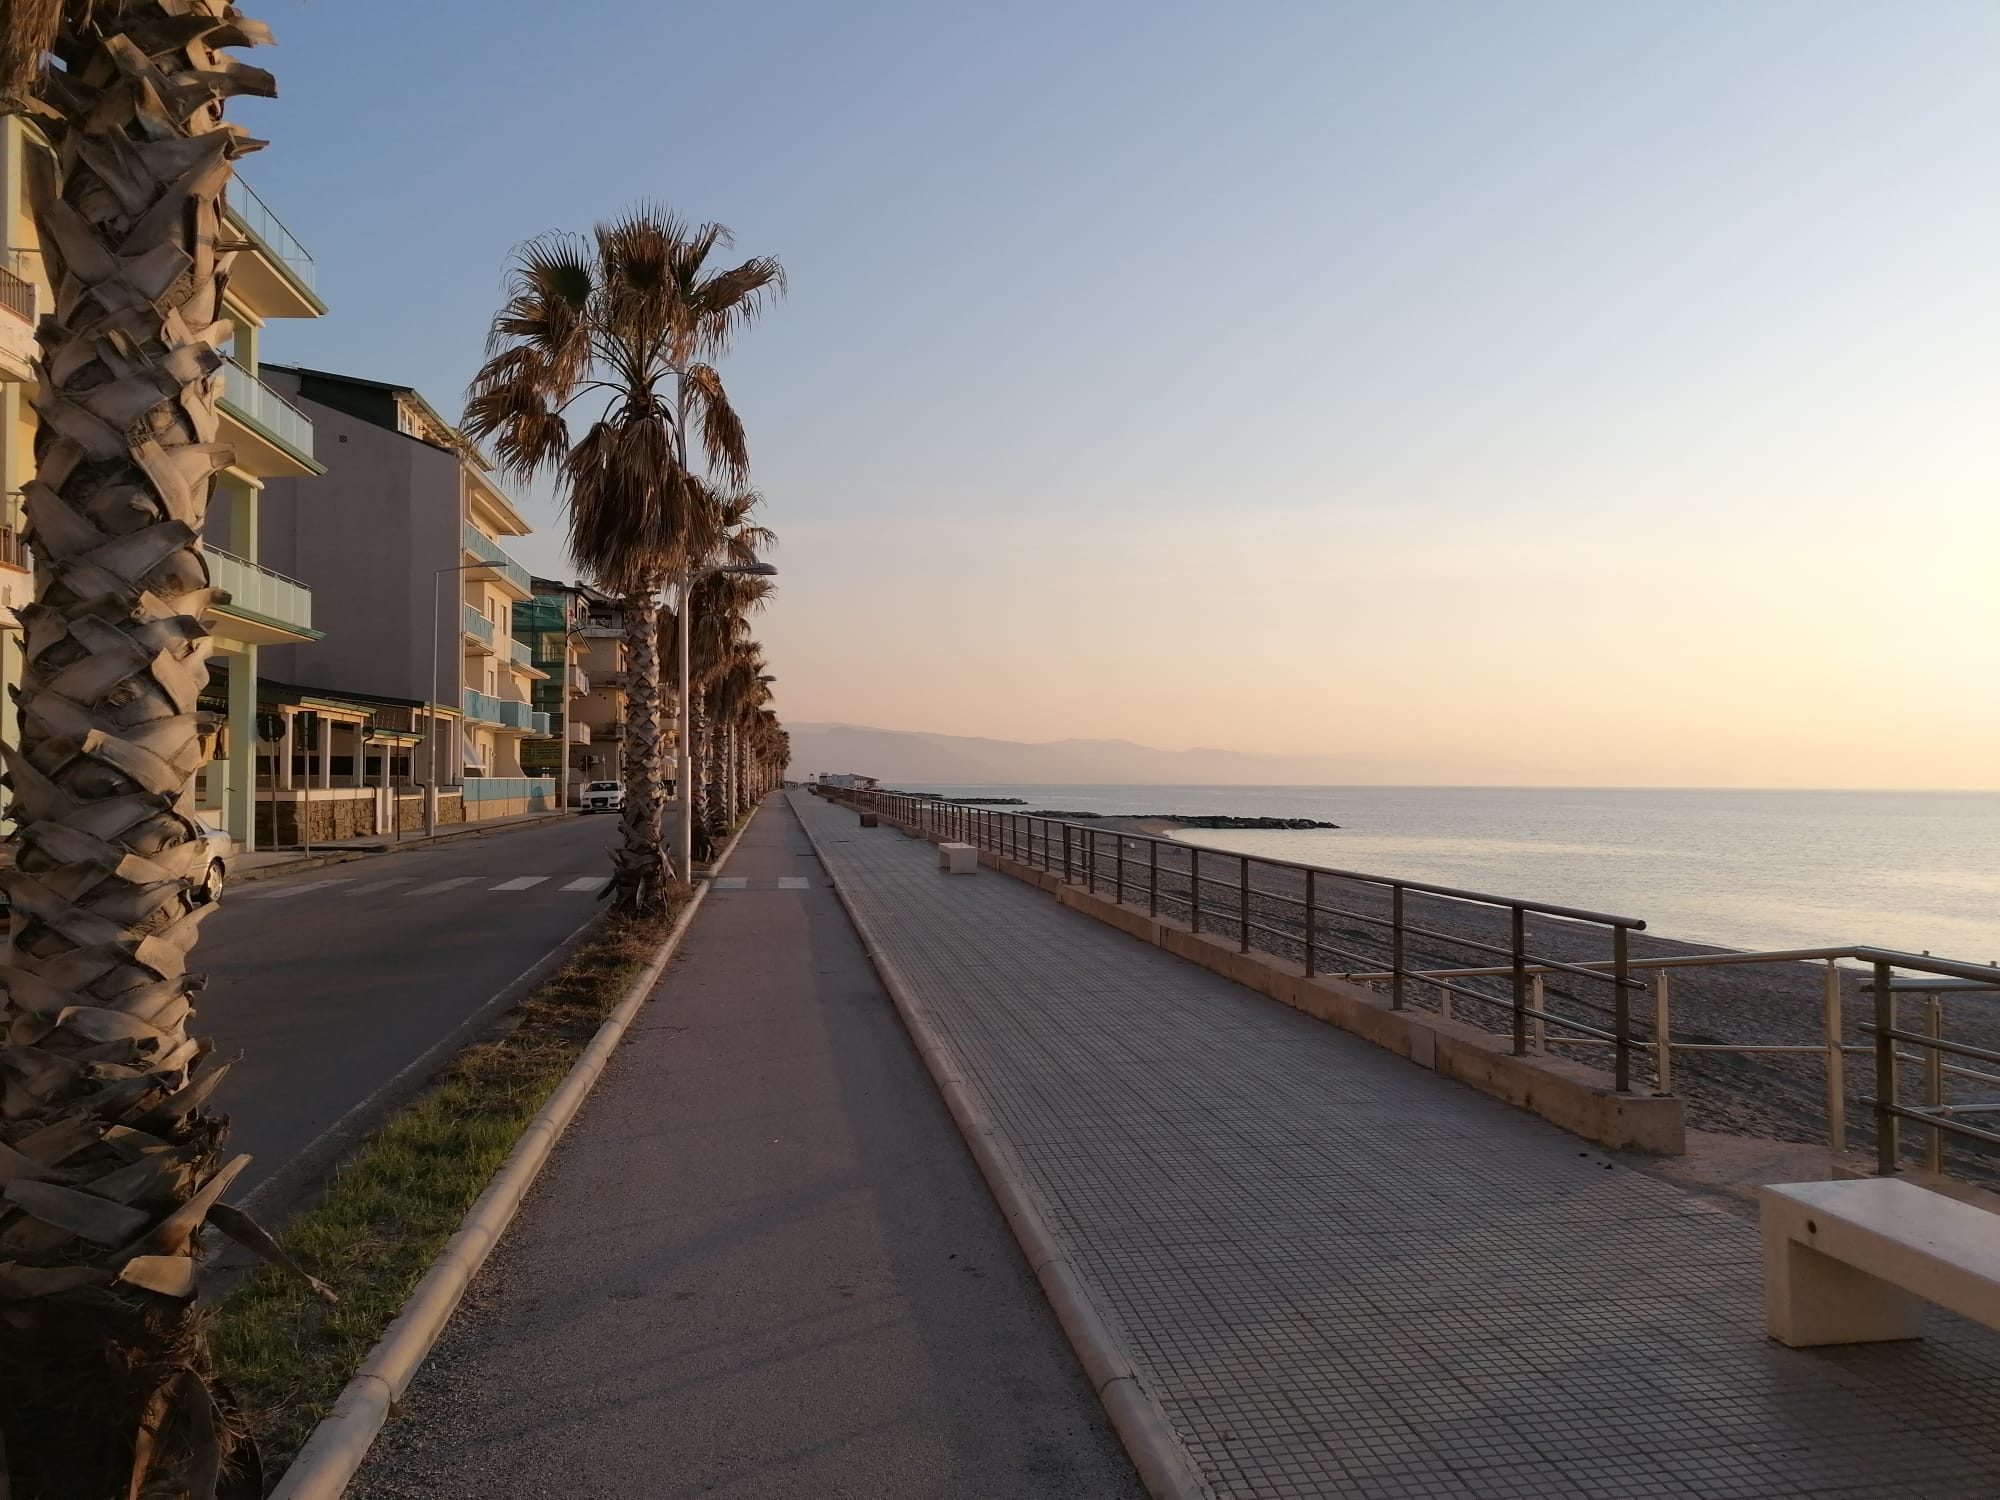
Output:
x,y
683,751
437,681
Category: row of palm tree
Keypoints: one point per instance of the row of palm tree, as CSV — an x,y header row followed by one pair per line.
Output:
x,y
110,1164
600,372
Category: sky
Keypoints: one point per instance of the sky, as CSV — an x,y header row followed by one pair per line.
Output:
x,y
1553,391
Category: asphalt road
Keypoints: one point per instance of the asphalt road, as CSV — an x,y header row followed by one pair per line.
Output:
x,y
761,1264
333,981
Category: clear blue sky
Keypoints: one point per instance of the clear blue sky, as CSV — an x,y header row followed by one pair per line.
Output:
x,y
1452,355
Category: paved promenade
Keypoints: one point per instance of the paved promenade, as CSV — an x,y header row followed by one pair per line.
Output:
x,y
1341,1275
761,1265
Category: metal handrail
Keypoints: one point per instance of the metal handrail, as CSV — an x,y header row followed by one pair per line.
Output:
x,y
17,293
1082,845
1077,851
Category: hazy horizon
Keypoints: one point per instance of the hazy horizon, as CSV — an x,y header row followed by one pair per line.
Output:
x,y
1606,390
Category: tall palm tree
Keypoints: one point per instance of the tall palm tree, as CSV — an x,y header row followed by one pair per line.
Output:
x,y
718,610
109,1161
626,321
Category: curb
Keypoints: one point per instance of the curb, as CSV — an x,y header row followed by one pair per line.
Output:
x,y
1156,1451
390,845
340,1443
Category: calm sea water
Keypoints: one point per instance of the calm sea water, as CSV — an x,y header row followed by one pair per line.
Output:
x,y
1746,869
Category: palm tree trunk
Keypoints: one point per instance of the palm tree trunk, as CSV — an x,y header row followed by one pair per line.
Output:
x,y
698,806
113,1163
716,806
639,864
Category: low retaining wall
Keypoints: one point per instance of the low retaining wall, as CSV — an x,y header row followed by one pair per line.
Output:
x,y
1578,1098
1570,1094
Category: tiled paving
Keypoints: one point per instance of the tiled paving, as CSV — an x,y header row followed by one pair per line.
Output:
x,y
1342,1275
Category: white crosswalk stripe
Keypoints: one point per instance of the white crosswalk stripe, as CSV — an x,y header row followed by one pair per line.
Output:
x,y
589,883
730,883
444,885
279,893
522,883
800,883
381,885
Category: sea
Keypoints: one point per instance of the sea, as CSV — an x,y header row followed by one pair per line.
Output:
x,y
1918,871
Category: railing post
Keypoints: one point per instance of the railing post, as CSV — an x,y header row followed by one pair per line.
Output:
x,y
1836,1063
1194,887
1090,858
1886,1152
1243,904
1538,1028
1663,1033
1312,922
1621,1009
1396,948
1066,864
1520,928
1934,1080
1444,1002
1121,869
1152,877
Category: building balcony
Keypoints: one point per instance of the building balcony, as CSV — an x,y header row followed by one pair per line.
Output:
x,y
484,708
579,734
615,731
521,657
273,439
273,275
579,682
496,565
264,608
17,321
478,632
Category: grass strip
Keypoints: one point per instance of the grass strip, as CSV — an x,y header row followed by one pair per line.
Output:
x,y
389,1209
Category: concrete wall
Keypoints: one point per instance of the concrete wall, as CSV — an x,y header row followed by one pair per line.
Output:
x,y
368,537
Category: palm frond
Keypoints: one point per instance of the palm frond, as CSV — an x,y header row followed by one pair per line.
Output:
x,y
722,436
28,30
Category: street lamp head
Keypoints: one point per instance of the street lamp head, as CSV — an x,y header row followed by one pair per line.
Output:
x,y
753,570
767,678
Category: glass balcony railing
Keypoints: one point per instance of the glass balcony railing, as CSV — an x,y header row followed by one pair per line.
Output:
x,y
478,626
521,654
488,709
263,408
255,218
478,544
260,591
482,706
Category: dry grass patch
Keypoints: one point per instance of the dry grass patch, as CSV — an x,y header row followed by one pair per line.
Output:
x,y
389,1209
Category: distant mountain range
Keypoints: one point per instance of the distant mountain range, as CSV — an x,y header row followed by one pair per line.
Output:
x,y
897,755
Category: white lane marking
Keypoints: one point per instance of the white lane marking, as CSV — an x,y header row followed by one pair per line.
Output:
x,y
444,885
589,883
521,884
295,890
730,883
793,883
381,885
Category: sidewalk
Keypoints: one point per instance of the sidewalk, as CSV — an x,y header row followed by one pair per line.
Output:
x,y
1339,1274
761,1265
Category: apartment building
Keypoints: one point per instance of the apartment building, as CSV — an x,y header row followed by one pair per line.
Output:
x,y
552,625
601,710
398,542
272,278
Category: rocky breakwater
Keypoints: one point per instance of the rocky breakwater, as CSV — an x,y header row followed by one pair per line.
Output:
x,y
1181,820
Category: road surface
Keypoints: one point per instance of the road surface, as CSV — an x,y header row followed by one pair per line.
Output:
x,y
331,982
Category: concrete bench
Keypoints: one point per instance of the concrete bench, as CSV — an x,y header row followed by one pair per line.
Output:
x,y
870,820
958,859
1855,1262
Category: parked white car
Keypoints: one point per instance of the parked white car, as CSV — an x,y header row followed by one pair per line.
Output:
x,y
604,796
